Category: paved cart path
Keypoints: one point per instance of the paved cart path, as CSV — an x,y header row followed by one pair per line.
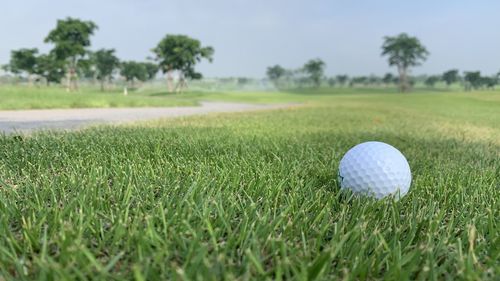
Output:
x,y
66,119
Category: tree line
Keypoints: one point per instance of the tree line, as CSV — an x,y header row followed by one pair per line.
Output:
x,y
402,51
71,59
310,74
470,80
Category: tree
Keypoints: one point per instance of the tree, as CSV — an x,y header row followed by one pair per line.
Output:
x,y
342,79
404,51
314,69
388,79
450,77
105,62
71,37
151,70
360,80
472,80
6,68
332,81
275,73
50,68
181,53
241,81
86,67
489,82
133,71
24,60
431,80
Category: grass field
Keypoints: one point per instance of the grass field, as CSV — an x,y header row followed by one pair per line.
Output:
x,y
25,97
255,195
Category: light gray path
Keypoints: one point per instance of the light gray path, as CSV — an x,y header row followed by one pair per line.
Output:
x,y
30,120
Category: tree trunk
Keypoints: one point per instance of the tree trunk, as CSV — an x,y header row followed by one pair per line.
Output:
x,y
403,79
181,84
71,83
75,80
102,85
170,81
72,76
68,81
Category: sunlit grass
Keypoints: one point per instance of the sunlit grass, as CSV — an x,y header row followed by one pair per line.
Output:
x,y
255,195
25,97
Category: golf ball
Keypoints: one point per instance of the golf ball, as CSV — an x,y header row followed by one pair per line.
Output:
x,y
375,169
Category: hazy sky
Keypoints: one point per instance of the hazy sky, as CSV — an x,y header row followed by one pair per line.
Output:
x,y
250,35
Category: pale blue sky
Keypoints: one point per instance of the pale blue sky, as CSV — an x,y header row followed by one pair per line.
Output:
x,y
249,35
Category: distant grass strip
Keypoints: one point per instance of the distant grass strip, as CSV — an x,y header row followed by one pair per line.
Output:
x,y
24,97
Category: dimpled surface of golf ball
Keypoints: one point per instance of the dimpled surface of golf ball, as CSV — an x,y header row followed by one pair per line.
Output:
x,y
375,169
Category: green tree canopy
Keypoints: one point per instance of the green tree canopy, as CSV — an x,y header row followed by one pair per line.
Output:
x,y
342,79
241,81
431,80
105,63
50,68
404,51
472,80
86,67
388,78
181,53
23,60
315,69
151,69
450,76
359,80
275,73
133,71
71,38
489,82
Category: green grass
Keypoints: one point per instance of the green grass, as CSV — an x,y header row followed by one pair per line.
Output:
x,y
255,195
25,97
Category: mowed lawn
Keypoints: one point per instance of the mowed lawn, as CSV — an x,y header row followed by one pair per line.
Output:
x,y
25,97
255,195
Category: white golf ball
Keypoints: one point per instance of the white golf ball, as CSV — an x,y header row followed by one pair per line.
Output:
x,y
375,169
